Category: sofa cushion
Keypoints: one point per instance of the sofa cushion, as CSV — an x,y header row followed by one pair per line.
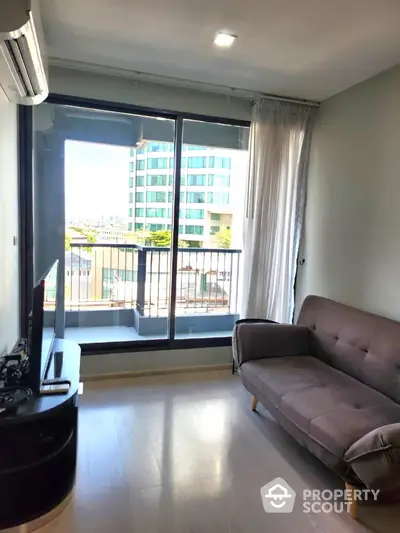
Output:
x,y
360,344
332,408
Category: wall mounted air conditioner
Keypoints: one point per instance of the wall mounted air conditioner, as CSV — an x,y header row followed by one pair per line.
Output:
x,y
22,66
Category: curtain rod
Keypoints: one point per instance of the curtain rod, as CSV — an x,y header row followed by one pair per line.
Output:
x,y
138,76
310,103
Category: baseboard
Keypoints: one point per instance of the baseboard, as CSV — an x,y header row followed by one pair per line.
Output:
x,y
156,372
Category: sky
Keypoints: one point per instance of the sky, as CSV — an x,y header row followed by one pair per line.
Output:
x,y
96,180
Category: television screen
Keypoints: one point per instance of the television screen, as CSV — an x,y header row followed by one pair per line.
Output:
x,y
42,326
49,311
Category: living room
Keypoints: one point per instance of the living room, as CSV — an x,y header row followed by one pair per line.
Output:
x,y
203,213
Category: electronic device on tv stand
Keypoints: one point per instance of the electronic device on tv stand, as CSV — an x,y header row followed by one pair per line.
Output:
x,y
42,326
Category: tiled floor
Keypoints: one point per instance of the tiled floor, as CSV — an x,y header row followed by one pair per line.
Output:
x,y
86,335
184,454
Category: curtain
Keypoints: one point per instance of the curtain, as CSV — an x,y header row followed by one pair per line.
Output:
x,y
280,138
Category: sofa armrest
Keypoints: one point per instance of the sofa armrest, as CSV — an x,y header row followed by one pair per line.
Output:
x,y
375,458
258,341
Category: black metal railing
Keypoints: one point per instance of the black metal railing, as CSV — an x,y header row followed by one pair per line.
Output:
x,y
137,277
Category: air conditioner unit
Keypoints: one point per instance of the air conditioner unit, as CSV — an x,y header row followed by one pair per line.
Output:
x,y
22,68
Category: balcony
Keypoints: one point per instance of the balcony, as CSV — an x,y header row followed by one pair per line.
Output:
x,y
120,292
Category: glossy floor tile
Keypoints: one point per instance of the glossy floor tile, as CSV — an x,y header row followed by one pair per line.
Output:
x,y
185,454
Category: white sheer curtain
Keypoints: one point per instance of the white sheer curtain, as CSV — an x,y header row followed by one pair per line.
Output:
x,y
279,150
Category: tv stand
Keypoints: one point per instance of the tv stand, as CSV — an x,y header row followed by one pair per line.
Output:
x,y
38,449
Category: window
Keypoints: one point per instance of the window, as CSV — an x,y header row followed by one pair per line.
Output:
x,y
181,213
180,229
171,180
194,230
157,162
219,162
155,227
196,179
218,198
149,188
197,162
156,196
171,196
171,162
155,212
215,216
158,179
195,213
157,147
196,197
219,180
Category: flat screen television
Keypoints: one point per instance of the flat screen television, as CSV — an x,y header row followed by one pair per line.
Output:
x,y
42,326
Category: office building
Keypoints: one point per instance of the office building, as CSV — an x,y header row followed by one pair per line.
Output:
x,y
210,178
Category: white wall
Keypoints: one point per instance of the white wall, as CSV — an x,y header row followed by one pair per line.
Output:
x,y
128,91
352,226
161,360
9,263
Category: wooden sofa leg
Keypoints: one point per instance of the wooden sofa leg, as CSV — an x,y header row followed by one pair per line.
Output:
x,y
353,502
254,403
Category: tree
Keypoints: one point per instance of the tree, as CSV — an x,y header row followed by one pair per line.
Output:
x,y
140,236
91,237
161,238
224,237
67,242
193,244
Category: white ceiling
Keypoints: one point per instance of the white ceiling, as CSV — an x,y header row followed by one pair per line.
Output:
x,y
300,48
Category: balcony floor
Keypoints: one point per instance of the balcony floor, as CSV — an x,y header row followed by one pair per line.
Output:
x,y
88,335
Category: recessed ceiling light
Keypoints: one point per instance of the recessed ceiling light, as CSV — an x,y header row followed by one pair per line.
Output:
x,y
224,40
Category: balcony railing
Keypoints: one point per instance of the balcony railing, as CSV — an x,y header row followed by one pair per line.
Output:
x,y
130,276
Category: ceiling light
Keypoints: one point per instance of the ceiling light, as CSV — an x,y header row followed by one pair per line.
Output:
x,y
224,40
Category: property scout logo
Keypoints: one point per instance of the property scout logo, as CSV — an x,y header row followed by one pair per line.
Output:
x,y
279,497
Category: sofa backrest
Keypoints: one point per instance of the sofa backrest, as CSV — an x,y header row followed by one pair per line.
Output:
x,y
363,345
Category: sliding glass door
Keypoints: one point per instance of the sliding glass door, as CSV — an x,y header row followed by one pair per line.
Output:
x,y
109,189
214,164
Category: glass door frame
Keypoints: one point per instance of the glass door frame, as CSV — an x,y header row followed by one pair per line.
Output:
x,y
26,218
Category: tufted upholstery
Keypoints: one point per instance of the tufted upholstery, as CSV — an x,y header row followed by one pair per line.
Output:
x,y
363,345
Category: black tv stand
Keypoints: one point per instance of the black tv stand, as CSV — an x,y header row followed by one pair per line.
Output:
x,y
38,448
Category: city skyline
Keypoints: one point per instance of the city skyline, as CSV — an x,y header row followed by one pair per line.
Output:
x,y
131,189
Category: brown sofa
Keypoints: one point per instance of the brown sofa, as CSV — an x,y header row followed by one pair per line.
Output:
x,y
333,382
